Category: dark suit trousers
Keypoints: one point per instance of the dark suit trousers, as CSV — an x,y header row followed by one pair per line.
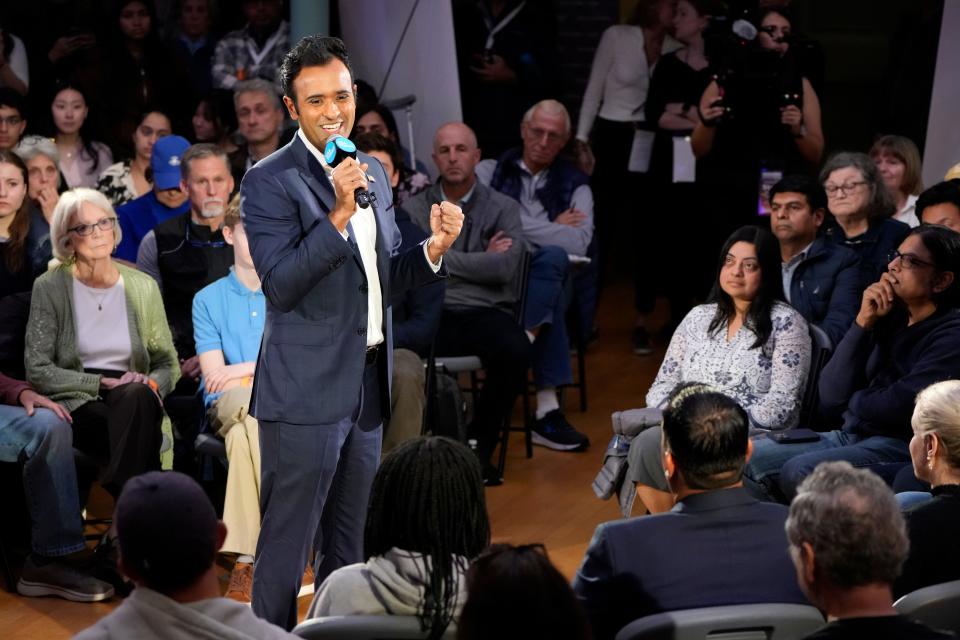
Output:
x,y
503,347
314,488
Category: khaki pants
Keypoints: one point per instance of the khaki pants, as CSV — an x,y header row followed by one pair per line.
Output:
x,y
241,506
407,402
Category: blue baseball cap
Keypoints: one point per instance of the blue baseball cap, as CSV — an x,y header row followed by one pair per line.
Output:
x,y
165,161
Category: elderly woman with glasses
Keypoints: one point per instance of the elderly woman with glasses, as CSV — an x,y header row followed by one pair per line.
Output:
x,y
44,179
862,209
98,343
906,336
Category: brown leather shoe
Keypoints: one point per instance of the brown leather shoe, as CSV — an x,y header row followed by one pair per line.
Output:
x,y
306,587
241,583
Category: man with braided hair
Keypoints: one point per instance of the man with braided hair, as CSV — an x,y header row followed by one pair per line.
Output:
x,y
639,567
426,522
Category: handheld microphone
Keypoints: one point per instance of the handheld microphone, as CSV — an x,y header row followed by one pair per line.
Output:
x,y
337,149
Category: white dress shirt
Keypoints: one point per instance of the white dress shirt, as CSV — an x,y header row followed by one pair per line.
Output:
x,y
364,223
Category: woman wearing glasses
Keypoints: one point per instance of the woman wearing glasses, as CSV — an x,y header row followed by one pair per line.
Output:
x,y
24,234
862,208
906,336
98,343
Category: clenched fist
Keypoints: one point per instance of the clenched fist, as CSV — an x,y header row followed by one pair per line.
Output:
x,y
446,220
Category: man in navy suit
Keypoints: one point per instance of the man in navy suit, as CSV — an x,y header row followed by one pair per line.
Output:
x,y
718,546
328,268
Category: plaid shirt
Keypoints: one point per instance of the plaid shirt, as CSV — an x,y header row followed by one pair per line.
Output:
x,y
232,58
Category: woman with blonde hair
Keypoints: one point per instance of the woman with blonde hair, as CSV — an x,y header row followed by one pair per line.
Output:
x,y
98,343
898,161
934,524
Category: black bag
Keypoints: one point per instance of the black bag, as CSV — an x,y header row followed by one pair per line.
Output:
x,y
449,416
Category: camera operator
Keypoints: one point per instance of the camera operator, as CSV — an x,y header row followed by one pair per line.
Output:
x,y
760,117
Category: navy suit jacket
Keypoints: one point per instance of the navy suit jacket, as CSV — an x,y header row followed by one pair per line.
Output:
x,y
310,368
826,288
715,548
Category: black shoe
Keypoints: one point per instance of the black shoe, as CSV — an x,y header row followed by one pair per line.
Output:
x,y
553,431
105,558
491,476
641,342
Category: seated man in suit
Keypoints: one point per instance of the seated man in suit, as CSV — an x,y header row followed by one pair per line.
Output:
x,y
717,546
848,542
479,303
556,209
820,280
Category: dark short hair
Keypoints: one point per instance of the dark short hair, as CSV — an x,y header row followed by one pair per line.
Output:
x,y
803,184
384,113
946,192
707,433
944,247
516,592
368,142
311,51
13,100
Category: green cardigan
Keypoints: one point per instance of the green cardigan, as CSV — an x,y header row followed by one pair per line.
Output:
x,y
53,362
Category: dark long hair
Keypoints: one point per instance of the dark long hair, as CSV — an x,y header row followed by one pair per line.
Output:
x,y
771,285
427,497
86,129
20,227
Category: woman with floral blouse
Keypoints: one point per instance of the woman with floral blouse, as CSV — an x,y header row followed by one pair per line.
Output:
x,y
745,342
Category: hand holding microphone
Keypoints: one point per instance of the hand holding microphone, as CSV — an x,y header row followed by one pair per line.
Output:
x,y
349,179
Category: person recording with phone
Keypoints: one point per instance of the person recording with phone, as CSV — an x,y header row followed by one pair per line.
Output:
x,y
328,262
759,117
905,337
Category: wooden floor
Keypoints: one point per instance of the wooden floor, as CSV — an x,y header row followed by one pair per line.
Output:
x,y
545,499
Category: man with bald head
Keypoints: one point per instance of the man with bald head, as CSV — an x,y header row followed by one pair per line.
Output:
x,y
479,302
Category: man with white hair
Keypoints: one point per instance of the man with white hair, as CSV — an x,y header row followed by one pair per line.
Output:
x,y
848,542
557,215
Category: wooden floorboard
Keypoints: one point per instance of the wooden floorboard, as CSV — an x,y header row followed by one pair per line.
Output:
x,y
546,499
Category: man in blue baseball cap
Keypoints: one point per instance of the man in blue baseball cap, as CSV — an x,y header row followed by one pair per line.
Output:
x,y
164,201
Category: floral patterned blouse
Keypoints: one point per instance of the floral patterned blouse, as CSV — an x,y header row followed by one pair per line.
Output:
x,y
768,382
116,183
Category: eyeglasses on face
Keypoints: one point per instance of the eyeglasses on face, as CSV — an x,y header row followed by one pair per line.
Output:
x,y
908,260
10,121
844,189
104,224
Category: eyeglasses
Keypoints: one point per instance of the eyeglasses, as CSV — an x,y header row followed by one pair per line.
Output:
x,y
845,189
552,136
908,260
10,121
200,244
104,224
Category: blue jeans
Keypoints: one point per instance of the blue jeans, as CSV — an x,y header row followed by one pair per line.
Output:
x,y
45,442
548,296
775,470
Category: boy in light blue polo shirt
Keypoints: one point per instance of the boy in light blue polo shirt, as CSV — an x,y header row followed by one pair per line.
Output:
x,y
228,320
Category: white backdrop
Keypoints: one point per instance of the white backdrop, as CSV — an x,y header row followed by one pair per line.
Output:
x,y
426,64
942,150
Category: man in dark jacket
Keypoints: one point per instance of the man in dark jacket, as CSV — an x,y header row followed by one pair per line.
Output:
x,y
820,280
717,546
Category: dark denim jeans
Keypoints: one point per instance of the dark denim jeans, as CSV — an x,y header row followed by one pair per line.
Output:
x,y
45,442
548,296
775,470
